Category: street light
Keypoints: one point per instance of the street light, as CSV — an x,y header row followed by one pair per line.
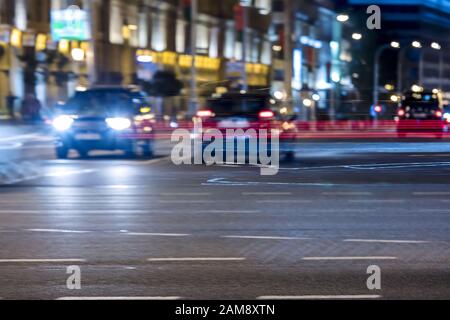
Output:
x,y
357,36
343,18
395,44
376,73
435,46
416,44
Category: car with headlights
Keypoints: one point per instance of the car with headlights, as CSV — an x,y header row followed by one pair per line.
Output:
x,y
421,112
232,111
105,118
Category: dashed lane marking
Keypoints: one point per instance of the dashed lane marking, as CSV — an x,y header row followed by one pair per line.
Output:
x,y
117,298
348,258
321,297
190,259
385,241
266,237
41,260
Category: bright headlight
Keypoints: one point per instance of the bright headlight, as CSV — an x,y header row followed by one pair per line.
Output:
x,y
118,124
62,123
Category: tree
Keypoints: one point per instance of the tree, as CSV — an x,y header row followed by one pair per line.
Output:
x,y
163,84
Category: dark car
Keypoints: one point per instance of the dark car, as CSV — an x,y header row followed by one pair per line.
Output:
x,y
105,119
247,111
421,112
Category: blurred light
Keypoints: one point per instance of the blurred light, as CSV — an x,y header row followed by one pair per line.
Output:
x,y
41,42
16,38
80,88
416,88
63,46
132,27
401,112
416,44
335,77
277,48
266,114
77,54
438,114
173,124
242,92
118,124
144,58
436,91
436,46
307,103
394,98
204,113
272,101
283,110
342,17
316,97
389,87
378,109
395,44
447,117
357,36
279,95
62,123
264,12
145,109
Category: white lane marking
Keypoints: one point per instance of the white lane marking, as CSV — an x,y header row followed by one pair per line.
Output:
x,y
185,194
266,193
432,193
62,173
229,211
41,260
397,165
11,146
156,234
223,182
349,258
56,230
193,259
320,297
347,193
284,201
20,137
153,161
185,201
117,298
266,237
384,241
378,201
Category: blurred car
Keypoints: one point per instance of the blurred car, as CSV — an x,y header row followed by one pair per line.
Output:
x,y
421,112
106,118
248,111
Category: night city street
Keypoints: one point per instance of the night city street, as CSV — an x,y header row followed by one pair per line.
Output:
x,y
224,159
152,229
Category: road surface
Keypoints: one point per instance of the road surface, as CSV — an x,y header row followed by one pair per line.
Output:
x,y
149,229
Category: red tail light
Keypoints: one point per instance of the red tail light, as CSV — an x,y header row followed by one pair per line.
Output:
x,y
266,114
401,113
438,114
204,113
378,109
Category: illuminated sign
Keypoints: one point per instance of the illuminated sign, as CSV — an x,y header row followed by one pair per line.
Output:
x,y
70,24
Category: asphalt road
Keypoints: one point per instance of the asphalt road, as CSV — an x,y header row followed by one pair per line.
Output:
x,y
150,229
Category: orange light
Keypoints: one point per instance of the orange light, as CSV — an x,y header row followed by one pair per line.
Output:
x,y
204,113
266,114
438,114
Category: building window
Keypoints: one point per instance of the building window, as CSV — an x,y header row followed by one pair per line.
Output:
x,y
180,38
202,38
214,43
143,30
229,41
115,23
159,31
